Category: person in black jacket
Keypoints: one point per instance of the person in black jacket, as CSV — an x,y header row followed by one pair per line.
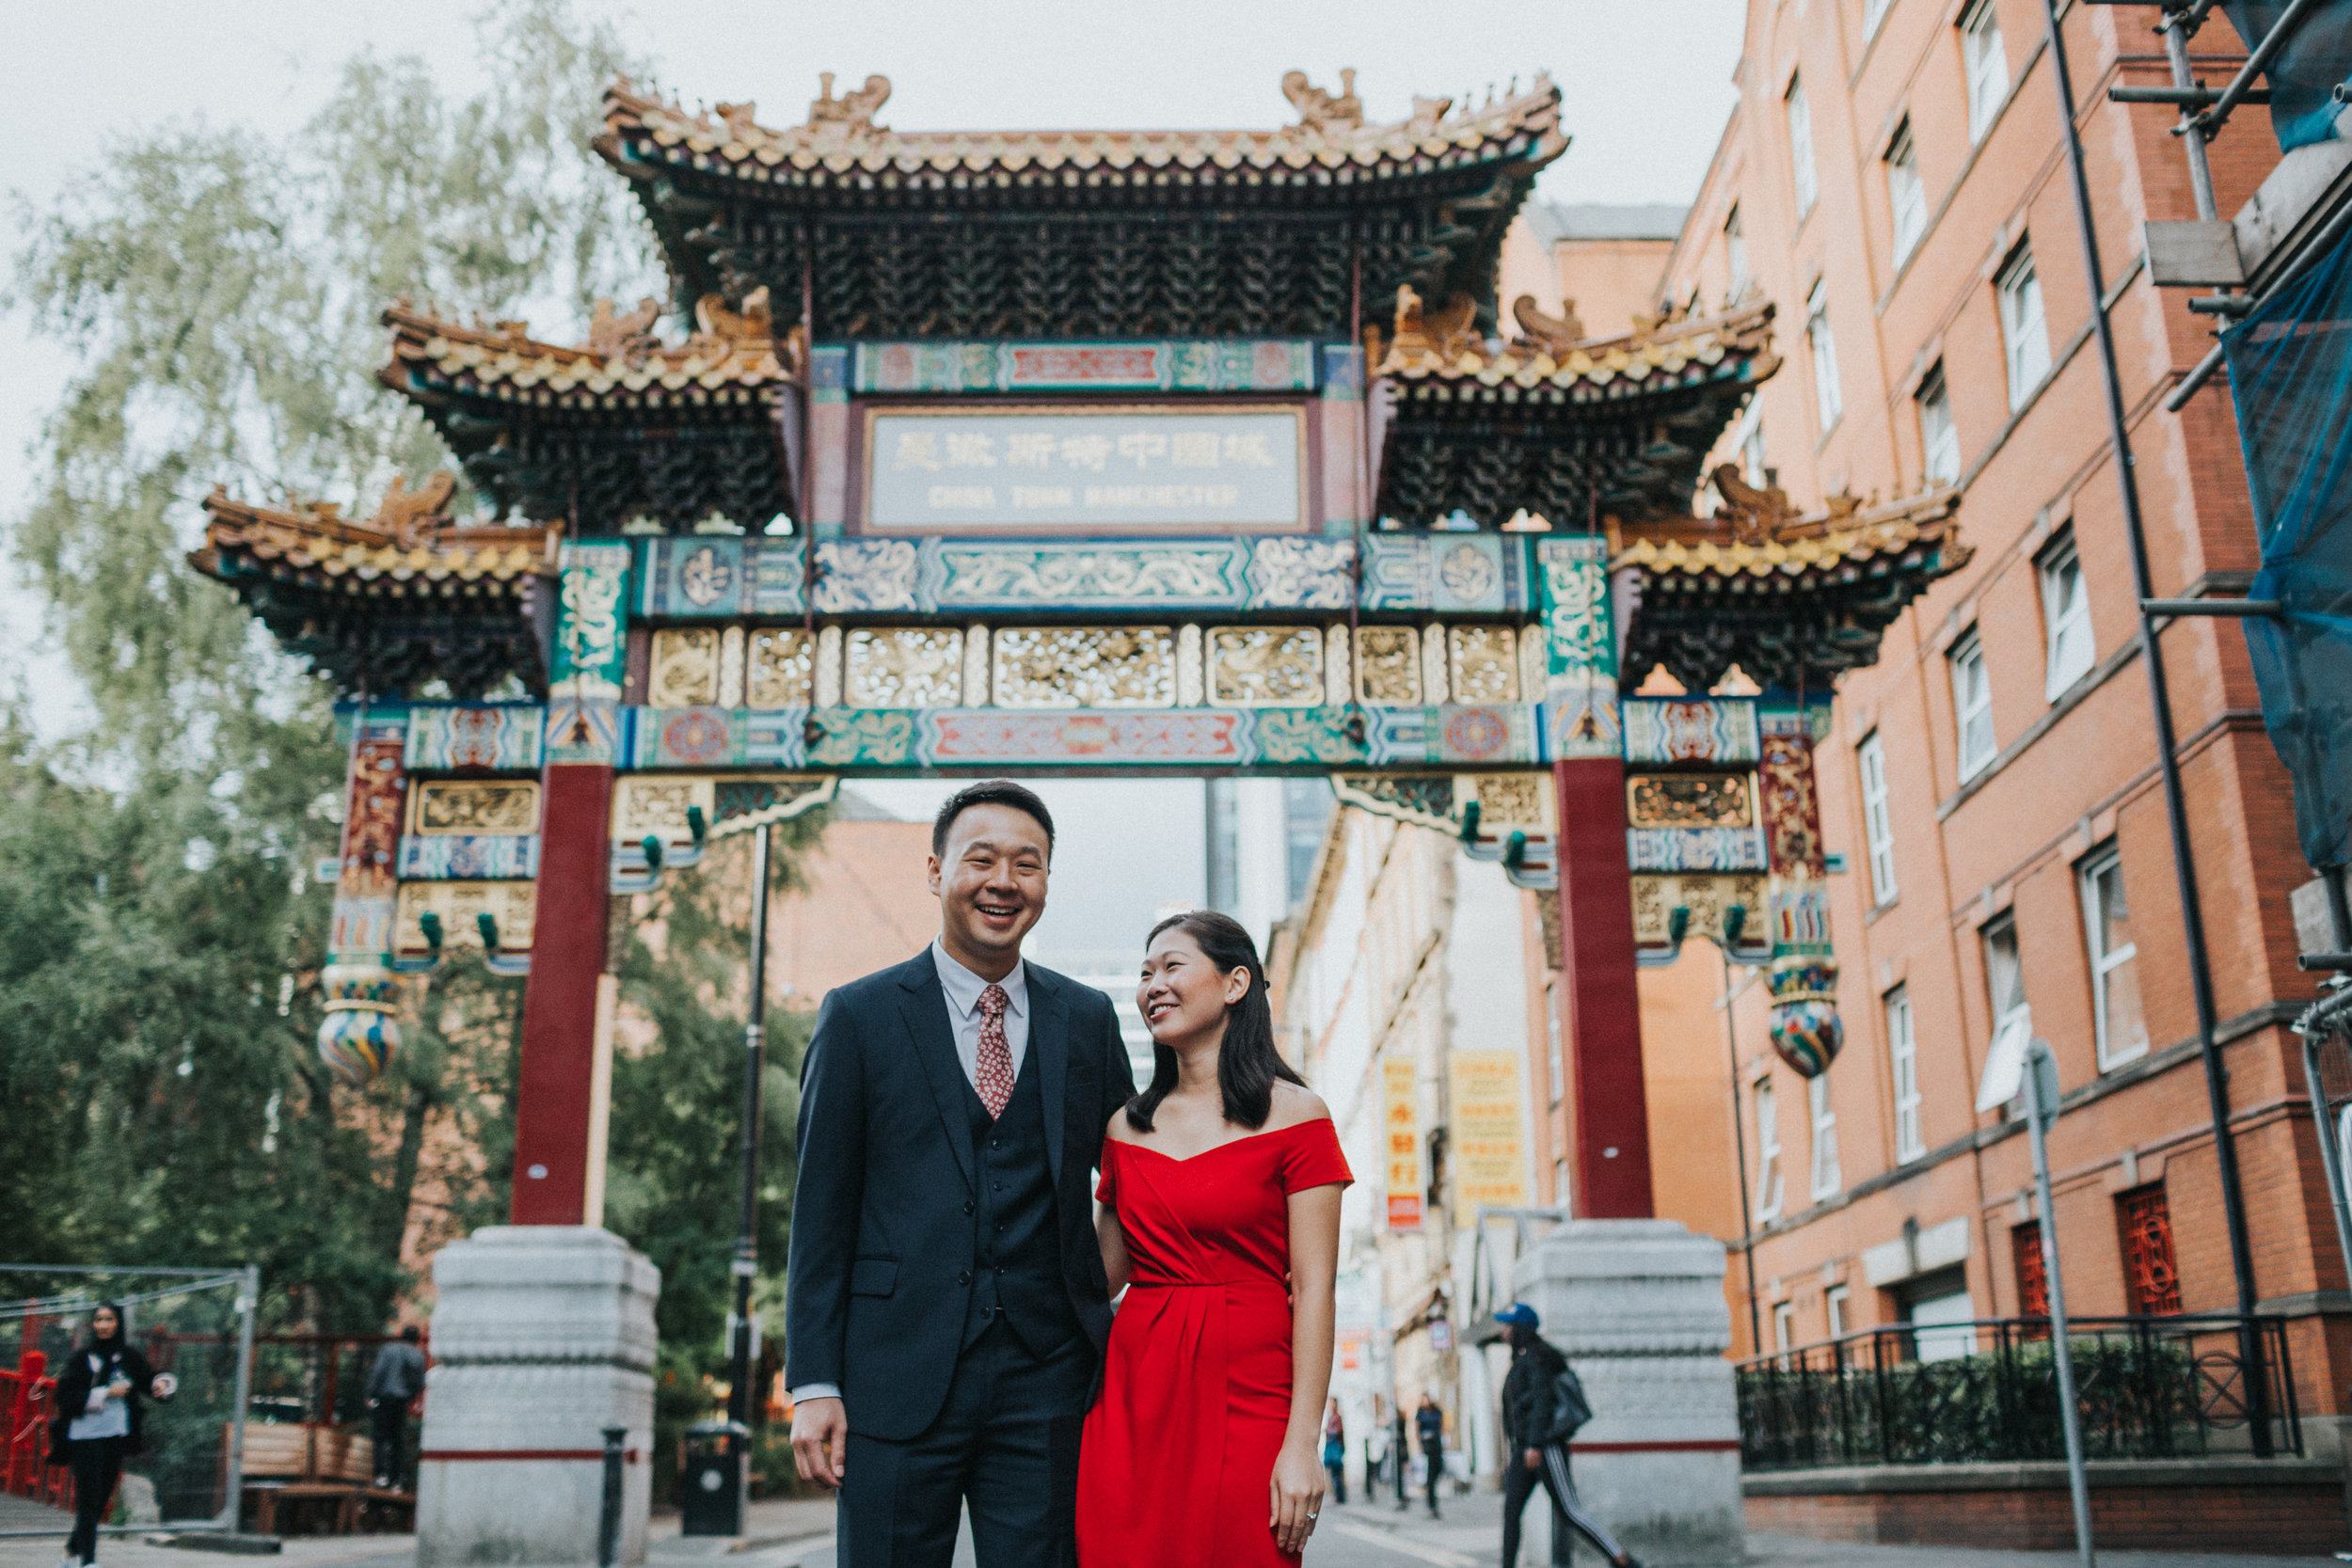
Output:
x,y
946,1303
102,1386
1543,1404
1430,1426
394,1384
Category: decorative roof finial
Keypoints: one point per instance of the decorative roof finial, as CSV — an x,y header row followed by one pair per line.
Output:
x,y
1323,110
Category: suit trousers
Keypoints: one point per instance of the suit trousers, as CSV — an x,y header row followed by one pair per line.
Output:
x,y
1005,1446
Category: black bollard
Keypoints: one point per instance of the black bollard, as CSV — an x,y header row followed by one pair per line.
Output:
x,y
608,1526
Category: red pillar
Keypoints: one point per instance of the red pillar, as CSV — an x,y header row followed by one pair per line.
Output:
x,y
1602,1019
551,1129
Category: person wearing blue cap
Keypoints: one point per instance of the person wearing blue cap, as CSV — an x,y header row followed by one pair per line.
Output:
x,y
1543,1404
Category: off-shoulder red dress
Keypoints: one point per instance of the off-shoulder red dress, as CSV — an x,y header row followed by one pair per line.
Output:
x,y
1180,1443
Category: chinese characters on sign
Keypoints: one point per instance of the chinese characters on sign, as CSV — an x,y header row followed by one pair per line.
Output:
x,y
1400,1116
1026,469
1485,1155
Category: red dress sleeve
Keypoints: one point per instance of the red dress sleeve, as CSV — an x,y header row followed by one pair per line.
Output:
x,y
1107,1190
1311,1158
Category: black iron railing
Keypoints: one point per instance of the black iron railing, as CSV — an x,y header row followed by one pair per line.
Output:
x,y
2172,1388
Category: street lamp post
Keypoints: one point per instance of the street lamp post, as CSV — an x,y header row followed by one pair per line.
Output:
x,y
746,1264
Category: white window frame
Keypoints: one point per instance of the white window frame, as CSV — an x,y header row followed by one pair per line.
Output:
x,y
1902,1052
1827,1177
1807,179
1828,397
1999,934
1878,821
1975,743
1747,439
2106,962
1906,194
2069,649
1939,437
2025,327
1770,1188
1736,257
1985,59
1783,1326
1833,1303
1555,1055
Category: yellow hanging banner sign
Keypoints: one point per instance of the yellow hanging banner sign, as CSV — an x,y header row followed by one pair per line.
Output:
x,y
1401,1129
1486,1152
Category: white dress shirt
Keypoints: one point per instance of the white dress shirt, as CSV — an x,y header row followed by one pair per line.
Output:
x,y
962,990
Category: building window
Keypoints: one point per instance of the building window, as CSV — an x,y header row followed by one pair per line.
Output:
x,y
1878,823
1555,1060
1988,66
1906,197
2004,978
1768,1185
1784,1324
1736,257
1902,1050
1559,1184
1800,149
2114,961
1748,438
1972,706
2151,1277
1939,437
1874,12
1838,1301
1826,1180
1817,333
2023,335
2033,1275
2066,615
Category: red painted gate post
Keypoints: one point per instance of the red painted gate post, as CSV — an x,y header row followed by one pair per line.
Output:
x,y
553,1085
1601,1015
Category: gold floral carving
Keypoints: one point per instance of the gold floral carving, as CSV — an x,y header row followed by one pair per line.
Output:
x,y
1485,663
1513,802
1388,665
829,667
461,905
731,667
903,667
1436,683
685,671
776,672
1085,665
1687,800
1265,666
1707,896
473,806
655,805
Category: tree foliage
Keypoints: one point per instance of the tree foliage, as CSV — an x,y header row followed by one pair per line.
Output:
x,y
160,927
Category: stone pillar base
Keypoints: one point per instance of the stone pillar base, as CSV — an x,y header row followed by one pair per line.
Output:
x,y
1637,1306
542,1337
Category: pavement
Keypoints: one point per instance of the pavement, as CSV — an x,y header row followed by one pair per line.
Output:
x,y
797,1533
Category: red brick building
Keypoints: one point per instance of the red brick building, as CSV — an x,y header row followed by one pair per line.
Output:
x,y
1894,179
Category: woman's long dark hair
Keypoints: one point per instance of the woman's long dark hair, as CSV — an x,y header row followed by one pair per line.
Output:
x,y
1247,1063
121,1334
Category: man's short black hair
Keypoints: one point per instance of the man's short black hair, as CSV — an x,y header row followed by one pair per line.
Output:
x,y
990,792
410,1334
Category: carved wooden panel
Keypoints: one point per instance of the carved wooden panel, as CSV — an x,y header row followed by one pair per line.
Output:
x,y
777,669
1482,662
1388,665
474,806
1688,800
685,671
903,667
1265,666
1085,666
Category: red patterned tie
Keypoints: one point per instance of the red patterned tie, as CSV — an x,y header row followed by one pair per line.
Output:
x,y
992,1073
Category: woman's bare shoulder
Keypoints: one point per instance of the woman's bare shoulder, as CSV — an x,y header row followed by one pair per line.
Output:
x,y
1294,1104
1118,1130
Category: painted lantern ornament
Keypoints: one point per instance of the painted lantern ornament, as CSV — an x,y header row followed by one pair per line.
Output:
x,y
359,1035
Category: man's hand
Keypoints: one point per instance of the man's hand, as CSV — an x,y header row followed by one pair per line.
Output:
x,y
820,1439
1535,1459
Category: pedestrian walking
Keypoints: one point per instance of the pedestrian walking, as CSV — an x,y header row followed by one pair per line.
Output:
x,y
100,1420
1429,1424
1398,1456
394,1384
1335,1451
1375,1452
1543,1404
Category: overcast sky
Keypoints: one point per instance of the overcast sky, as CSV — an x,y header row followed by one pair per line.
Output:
x,y
1645,87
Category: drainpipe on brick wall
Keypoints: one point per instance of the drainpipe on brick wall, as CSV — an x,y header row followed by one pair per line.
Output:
x,y
2175,805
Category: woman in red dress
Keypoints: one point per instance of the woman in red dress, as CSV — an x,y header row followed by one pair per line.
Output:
x,y
1220,1217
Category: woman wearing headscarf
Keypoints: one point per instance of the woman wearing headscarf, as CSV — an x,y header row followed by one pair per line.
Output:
x,y
101,1397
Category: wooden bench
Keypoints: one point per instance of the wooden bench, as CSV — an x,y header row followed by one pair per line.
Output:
x,y
309,1475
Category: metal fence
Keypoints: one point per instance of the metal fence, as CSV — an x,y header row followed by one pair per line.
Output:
x,y
1986,1392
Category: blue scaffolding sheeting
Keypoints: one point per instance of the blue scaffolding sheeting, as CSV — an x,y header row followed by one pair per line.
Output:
x,y
2303,74
2291,372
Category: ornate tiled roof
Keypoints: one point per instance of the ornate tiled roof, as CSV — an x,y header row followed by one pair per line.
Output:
x,y
1444,348
408,547
840,145
731,357
1794,599
386,603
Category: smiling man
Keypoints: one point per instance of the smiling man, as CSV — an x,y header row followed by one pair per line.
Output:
x,y
946,1307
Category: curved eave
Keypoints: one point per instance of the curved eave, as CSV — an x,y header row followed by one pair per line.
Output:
x,y
1563,388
